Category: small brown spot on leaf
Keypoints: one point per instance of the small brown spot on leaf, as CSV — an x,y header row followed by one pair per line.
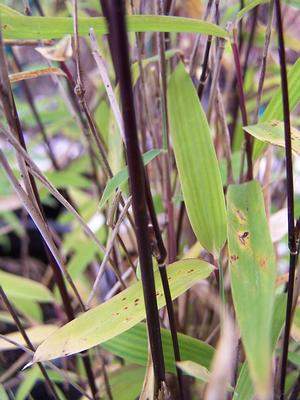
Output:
x,y
124,298
233,258
190,271
125,308
243,237
263,262
274,123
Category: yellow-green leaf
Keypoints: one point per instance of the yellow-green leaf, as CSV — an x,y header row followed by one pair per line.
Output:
x,y
36,335
132,345
118,314
274,109
21,27
273,132
253,273
196,162
23,288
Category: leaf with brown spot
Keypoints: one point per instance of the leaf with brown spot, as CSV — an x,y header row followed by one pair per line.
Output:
x,y
273,132
97,325
253,274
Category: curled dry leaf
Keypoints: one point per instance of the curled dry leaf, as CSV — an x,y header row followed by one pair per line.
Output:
x,y
22,76
61,51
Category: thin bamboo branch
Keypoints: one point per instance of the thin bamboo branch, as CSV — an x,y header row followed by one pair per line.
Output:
x,y
22,331
137,183
290,196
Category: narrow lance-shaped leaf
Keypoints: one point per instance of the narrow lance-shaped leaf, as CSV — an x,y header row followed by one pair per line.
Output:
x,y
119,313
196,162
122,176
253,273
21,27
274,109
21,288
273,132
244,388
132,346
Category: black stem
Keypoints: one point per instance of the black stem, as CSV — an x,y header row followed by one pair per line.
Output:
x,y
118,31
290,195
242,103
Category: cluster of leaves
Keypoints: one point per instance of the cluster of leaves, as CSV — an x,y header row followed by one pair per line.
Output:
x,y
213,131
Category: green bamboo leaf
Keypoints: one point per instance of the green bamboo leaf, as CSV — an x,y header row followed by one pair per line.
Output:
x,y
3,394
118,314
17,27
132,345
273,132
274,109
10,12
125,383
196,162
253,273
36,335
122,176
22,288
31,376
248,8
244,388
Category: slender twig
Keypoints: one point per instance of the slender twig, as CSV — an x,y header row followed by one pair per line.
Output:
x,y
242,102
215,77
193,58
27,341
80,93
264,60
160,254
227,148
290,195
171,239
137,183
108,250
107,84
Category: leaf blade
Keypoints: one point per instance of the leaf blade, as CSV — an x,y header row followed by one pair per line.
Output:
x,y
23,288
253,273
196,162
21,27
119,313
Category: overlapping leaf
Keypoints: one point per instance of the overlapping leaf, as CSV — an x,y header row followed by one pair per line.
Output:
x,y
118,314
274,109
196,162
21,27
132,346
21,288
273,132
253,273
